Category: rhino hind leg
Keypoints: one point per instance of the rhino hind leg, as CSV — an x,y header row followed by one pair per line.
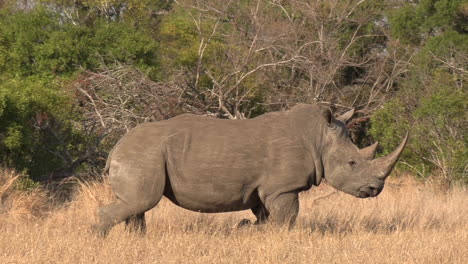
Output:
x,y
111,215
137,189
118,211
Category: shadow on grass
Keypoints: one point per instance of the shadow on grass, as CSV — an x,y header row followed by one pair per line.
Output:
x,y
373,224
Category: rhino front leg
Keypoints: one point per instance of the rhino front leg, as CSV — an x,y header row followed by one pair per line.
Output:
x,y
136,223
283,208
261,213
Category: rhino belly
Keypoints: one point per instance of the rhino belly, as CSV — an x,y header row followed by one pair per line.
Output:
x,y
211,198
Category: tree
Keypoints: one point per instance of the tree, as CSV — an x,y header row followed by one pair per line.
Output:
x,y
247,57
432,99
42,132
80,12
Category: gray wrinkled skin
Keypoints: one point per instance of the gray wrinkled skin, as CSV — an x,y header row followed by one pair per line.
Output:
x,y
211,165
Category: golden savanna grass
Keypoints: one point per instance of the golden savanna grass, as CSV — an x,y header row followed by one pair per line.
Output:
x,y
408,223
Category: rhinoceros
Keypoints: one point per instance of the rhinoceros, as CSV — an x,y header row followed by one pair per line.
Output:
x,y
213,165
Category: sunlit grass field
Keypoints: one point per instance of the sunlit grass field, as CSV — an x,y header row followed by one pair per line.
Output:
x,y
408,223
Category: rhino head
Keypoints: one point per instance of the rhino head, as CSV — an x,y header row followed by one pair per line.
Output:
x,y
350,169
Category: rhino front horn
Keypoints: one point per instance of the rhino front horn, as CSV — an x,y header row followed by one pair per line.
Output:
x,y
385,164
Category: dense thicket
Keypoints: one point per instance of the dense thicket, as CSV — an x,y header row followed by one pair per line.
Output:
x,y
432,97
76,75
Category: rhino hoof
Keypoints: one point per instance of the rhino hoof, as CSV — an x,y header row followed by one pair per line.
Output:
x,y
244,223
97,230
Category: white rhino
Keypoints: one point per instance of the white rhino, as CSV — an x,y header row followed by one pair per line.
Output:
x,y
211,165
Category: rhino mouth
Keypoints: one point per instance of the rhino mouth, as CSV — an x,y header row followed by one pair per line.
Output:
x,y
369,191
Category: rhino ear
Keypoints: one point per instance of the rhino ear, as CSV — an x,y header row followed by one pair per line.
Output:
x,y
327,114
346,116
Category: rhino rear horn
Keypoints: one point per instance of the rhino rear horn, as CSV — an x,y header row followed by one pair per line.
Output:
x,y
346,116
385,164
369,151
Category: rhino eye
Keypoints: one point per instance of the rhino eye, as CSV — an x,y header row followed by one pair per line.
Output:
x,y
351,163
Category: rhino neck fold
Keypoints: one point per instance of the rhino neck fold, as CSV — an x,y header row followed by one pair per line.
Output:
x,y
316,157
304,121
314,150
317,150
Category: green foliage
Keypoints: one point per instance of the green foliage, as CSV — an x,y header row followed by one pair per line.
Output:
x,y
391,113
436,120
432,101
37,42
414,23
444,47
20,33
23,102
141,13
433,97
25,183
39,55
179,40
443,117
370,35
90,47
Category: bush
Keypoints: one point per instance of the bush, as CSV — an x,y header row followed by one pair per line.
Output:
x,y
432,98
40,54
437,123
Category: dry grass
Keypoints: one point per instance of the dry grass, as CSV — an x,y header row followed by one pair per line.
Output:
x,y
407,223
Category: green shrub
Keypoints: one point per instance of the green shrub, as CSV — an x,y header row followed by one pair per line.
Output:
x,y
436,120
40,54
